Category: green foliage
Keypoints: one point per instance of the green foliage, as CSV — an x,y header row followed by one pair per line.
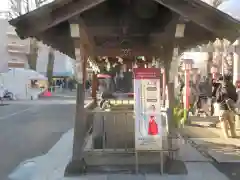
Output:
x,y
103,69
108,68
178,115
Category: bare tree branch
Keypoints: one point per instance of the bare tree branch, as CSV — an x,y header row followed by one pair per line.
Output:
x,y
19,7
15,6
37,3
216,3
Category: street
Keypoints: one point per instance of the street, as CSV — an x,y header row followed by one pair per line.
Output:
x,y
30,130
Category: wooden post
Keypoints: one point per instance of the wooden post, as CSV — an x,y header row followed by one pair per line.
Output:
x,y
77,164
84,65
94,86
236,72
236,62
167,58
163,71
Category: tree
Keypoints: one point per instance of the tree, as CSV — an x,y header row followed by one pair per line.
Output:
x,y
15,8
33,54
210,45
214,3
50,66
20,7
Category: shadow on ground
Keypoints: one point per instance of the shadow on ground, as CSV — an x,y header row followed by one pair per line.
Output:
x,y
197,131
216,151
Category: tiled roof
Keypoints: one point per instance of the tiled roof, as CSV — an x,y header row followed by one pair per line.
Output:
x,y
197,11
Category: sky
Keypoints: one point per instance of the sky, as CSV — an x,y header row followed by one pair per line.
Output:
x,y
3,5
232,8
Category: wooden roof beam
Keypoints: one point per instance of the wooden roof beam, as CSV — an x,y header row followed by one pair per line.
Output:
x,y
206,16
86,37
50,17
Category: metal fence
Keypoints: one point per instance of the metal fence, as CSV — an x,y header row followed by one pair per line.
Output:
x,y
112,131
112,135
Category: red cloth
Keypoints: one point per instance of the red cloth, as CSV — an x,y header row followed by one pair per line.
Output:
x,y
47,93
152,126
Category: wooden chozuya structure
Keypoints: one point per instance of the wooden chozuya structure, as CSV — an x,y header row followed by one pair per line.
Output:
x,y
93,28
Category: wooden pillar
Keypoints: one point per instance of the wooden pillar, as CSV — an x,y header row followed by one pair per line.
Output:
x,y
77,163
236,72
84,65
163,72
167,58
94,86
236,61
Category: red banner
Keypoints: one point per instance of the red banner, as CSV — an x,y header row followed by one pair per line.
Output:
x,y
146,73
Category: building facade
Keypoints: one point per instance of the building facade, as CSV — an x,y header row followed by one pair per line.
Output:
x,y
17,49
14,53
3,45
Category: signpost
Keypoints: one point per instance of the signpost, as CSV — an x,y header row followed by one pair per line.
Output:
x,y
148,122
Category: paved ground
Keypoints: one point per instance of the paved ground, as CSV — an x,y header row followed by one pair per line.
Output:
x,y
225,153
64,94
31,129
51,166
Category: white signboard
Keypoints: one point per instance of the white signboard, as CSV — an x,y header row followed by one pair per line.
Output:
x,y
148,122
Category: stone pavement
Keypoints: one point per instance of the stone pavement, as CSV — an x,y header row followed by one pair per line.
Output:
x,y
225,153
51,166
211,141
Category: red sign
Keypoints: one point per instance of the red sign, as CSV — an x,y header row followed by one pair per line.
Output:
x,y
237,84
146,73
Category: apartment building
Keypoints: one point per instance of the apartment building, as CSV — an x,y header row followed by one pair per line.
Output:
x,y
17,49
4,56
14,51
